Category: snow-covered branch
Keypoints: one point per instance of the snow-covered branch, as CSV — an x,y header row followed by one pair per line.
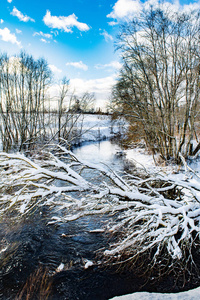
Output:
x,y
159,212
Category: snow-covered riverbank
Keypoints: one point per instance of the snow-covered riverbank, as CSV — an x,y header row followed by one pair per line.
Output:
x,y
189,295
99,127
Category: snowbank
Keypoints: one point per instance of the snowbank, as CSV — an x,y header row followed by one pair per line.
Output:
x,y
140,157
189,295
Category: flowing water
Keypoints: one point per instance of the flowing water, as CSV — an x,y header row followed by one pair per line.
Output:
x,y
104,153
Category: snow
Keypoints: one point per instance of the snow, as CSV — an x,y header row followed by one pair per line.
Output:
x,y
99,127
189,295
60,267
140,158
88,263
100,230
3,250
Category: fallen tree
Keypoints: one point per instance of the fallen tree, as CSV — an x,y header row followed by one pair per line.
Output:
x,y
155,217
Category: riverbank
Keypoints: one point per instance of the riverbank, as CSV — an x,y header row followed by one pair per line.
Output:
x,y
189,295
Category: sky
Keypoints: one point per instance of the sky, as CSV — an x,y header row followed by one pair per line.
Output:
x,y
76,37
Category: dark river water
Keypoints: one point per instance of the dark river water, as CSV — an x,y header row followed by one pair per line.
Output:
x,y
40,261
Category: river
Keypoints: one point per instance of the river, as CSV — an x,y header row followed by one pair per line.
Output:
x,y
104,152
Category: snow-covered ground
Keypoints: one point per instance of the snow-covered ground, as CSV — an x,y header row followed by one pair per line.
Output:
x,y
98,127
189,295
87,128
140,157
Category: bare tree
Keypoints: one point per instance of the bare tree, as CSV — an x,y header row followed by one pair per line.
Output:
x,y
63,92
87,102
24,115
159,83
23,84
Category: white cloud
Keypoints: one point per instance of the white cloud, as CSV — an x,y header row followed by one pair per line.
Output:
x,y
1,21
107,36
18,31
100,87
44,41
7,36
128,8
64,23
55,32
45,35
15,12
125,8
112,23
112,64
78,65
9,1
54,69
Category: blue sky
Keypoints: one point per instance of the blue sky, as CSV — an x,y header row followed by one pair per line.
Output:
x,y
75,36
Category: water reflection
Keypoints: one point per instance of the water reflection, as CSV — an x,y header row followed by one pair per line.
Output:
x,y
103,152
